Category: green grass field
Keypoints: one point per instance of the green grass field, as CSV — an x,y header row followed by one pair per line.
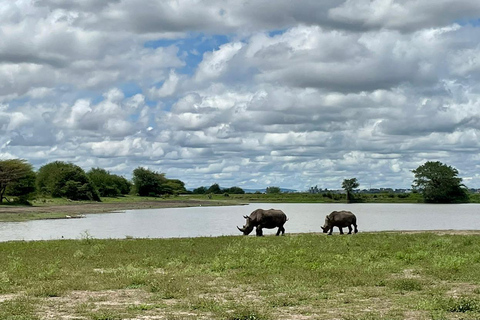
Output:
x,y
317,198
307,276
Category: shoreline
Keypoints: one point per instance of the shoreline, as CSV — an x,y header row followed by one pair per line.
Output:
x,y
78,210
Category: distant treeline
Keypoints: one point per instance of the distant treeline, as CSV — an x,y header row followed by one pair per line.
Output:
x,y
60,179
67,180
435,181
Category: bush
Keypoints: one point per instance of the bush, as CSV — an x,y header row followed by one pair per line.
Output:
x,y
61,179
150,183
107,184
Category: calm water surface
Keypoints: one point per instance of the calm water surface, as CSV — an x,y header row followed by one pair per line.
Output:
x,y
218,221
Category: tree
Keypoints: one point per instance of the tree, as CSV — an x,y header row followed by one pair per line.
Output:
x,y
234,190
107,184
273,190
348,185
150,183
176,186
16,178
61,179
215,189
200,190
439,183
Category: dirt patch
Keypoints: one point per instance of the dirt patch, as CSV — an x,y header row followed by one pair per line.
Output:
x,y
8,297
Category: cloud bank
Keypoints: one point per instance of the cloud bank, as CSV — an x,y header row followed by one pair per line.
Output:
x,y
245,93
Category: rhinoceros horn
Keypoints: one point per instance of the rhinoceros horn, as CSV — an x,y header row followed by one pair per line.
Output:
x,y
241,229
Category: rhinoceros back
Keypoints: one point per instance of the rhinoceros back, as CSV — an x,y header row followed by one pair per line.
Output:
x,y
342,218
270,217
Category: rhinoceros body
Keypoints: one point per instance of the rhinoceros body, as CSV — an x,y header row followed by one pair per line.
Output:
x,y
340,219
264,219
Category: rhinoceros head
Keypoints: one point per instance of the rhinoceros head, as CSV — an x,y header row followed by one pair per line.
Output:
x,y
326,227
248,227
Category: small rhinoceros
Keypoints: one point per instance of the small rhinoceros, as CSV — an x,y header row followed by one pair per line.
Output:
x,y
340,219
264,219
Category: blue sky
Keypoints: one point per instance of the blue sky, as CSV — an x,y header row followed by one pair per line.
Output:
x,y
244,93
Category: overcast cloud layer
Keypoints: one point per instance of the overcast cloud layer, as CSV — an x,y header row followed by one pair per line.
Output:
x,y
244,93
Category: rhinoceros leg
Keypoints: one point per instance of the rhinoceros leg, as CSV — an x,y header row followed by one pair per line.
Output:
x,y
349,229
355,226
259,231
282,230
341,230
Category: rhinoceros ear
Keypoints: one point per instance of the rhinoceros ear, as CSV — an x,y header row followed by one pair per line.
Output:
x,y
246,217
327,217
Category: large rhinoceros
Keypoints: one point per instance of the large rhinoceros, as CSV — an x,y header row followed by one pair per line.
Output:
x,y
264,219
340,219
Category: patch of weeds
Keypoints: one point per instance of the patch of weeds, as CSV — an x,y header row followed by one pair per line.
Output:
x,y
47,289
106,315
438,315
18,309
84,308
205,305
136,277
172,316
246,313
92,251
407,285
450,263
50,271
441,242
381,283
372,316
169,287
4,282
79,254
440,304
145,307
283,301
463,304
86,237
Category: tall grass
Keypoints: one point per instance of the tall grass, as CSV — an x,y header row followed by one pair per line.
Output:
x,y
364,276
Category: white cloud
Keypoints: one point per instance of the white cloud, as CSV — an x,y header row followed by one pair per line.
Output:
x,y
249,93
215,64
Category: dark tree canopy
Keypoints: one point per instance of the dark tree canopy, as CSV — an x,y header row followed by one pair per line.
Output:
x,y
234,190
273,190
439,183
107,184
200,190
16,179
176,186
349,185
150,183
215,189
61,179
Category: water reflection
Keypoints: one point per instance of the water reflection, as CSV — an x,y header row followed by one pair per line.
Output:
x,y
218,221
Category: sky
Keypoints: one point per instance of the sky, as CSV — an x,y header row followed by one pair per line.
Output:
x,y
244,93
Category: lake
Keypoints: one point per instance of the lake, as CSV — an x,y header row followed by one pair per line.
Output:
x,y
218,221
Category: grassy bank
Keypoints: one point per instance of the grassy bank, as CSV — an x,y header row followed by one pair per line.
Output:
x,y
62,208
384,197
308,276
